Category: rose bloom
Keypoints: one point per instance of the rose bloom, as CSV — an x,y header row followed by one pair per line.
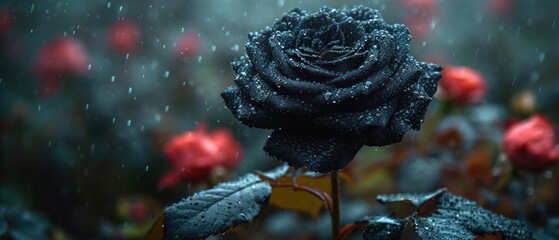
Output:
x,y
58,59
187,45
500,6
462,85
196,154
329,82
531,144
124,36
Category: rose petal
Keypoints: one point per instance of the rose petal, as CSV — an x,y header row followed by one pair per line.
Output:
x,y
318,152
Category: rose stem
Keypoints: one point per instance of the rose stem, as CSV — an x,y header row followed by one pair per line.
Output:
x,y
431,125
335,182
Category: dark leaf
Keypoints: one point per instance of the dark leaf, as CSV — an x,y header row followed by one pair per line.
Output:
x,y
385,228
478,220
425,203
453,217
275,173
218,209
438,228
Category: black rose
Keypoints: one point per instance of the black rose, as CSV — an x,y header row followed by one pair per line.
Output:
x,y
328,83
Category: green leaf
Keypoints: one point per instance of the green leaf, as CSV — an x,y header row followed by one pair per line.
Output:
x,y
216,210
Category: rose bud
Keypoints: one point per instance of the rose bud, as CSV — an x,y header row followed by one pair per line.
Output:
x,y
531,144
124,36
328,83
196,154
462,85
187,45
60,58
523,103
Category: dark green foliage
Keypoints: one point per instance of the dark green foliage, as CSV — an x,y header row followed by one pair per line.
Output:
x,y
440,215
17,223
218,209
385,228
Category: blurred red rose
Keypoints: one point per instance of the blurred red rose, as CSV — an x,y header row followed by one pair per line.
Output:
x,y
124,36
196,154
421,14
531,144
462,85
59,59
139,211
5,21
187,45
500,6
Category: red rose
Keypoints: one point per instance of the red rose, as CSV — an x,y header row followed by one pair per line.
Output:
x,y
124,36
196,154
500,6
462,85
531,144
5,21
187,45
421,14
58,59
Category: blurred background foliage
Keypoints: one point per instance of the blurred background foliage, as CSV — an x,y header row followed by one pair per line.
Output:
x,y
89,157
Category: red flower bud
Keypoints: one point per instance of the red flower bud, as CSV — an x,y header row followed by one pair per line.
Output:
x,y
531,144
124,36
58,59
196,154
187,45
462,85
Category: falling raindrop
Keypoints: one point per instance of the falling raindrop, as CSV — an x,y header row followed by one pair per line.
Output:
x,y
541,56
